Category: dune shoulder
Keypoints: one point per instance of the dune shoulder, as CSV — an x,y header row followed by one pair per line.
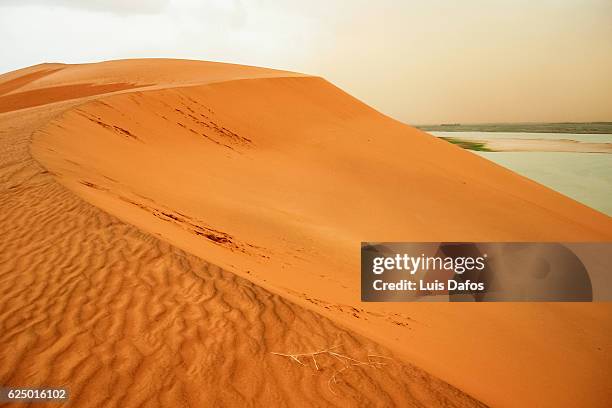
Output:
x,y
122,317
275,178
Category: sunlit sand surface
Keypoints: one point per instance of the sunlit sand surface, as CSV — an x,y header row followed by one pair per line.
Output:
x,y
169,225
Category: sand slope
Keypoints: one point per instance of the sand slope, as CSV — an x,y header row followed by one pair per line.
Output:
x,y
124,319
277,177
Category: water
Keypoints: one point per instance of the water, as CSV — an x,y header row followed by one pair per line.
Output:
x,y
585,177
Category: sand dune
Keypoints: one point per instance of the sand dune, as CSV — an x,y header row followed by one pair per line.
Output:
x,y
124,319
274,177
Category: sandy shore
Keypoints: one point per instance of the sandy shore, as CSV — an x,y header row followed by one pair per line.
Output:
x,y
533,145
132,193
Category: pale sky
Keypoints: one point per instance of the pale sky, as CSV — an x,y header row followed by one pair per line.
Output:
x,y
428,61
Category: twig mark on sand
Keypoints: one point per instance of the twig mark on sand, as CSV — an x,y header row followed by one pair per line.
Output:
x,y
113,128
373,361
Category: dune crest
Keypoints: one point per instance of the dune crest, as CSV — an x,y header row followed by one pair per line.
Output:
x,y
277,177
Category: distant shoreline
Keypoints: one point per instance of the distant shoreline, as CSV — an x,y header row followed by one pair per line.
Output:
x,y
582,128
528,145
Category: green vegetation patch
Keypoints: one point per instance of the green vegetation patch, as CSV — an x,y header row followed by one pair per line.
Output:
x,y
468,144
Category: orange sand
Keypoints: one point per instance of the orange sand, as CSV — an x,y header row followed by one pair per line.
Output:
x,y
275,177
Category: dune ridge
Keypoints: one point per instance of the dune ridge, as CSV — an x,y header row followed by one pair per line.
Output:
x,y
195,162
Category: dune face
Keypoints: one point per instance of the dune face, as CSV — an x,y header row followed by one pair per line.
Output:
x,y
93,304
125,319
219,218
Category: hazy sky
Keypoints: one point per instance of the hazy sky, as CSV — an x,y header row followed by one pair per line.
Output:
x,y
424,61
